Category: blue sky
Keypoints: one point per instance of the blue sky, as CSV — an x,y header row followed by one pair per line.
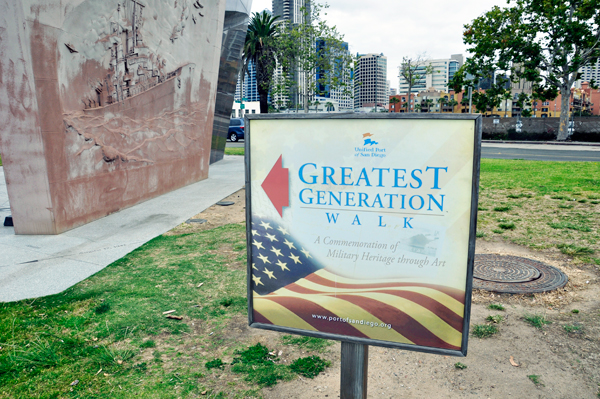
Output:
x,y
400,28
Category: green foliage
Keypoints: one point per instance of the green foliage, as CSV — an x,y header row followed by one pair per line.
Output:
x,y
502,208
102,308
235,151
259,366
297,53
148,344
215,364
308,343
480,234
536,320
310,366
460,366
496,306
535,379
414,69
572,328
484,330
496,319
507,226
575,311
532,41
260,48
574,250
569,226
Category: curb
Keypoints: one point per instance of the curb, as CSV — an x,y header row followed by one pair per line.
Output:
x,y
575,143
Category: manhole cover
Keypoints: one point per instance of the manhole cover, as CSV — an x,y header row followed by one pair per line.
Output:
x,y
225,203
515,275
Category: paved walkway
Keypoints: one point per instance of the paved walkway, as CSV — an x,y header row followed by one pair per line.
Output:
x,y
33,266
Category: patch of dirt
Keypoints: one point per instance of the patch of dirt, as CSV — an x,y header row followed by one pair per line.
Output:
x,y
216,215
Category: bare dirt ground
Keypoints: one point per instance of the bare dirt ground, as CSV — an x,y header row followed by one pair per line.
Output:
x,y
567,365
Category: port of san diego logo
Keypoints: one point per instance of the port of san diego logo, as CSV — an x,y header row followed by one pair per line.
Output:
x,y
370,147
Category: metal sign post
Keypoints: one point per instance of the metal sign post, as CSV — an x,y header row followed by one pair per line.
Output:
x,y
354,370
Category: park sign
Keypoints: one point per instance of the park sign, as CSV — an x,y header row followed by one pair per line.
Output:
x,y
361,227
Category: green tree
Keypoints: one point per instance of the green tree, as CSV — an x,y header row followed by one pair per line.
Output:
x,y
329,106
313,57
428,104
260,48
394,100
452,103
441,101
413,70
544,42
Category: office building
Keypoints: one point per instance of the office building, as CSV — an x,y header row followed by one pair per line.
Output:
x,y
291,11
370,82
248,90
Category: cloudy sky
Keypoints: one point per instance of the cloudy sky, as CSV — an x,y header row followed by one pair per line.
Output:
x,y
400,28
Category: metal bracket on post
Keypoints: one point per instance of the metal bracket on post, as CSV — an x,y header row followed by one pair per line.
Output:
x,y
354,370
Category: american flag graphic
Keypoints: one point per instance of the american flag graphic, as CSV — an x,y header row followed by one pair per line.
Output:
x,y
293,289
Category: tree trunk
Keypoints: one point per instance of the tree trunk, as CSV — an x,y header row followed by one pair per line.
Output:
x,y
563,130
264,105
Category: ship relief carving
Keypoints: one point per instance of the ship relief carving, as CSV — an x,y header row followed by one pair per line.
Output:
x,y
140,111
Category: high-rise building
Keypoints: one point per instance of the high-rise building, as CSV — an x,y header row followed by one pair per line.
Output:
x,y
590,72
342,94
292,12
370,81
248,91
443,71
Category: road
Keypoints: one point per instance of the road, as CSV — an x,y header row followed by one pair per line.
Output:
x,y
541,152
534,152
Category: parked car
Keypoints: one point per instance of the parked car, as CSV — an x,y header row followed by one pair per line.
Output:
x,y
236,129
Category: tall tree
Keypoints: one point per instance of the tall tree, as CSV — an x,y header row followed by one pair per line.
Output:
x,y
544,42
441,101
313,57
394,101
413,70
260,48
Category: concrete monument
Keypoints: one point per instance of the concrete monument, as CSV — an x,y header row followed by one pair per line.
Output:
x,y
103,104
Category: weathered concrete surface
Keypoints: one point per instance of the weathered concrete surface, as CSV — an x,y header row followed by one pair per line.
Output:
x,y
35,265
104,104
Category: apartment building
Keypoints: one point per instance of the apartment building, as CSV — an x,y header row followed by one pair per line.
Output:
x,y
443,71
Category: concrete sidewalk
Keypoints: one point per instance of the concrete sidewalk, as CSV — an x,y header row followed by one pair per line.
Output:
x,y
34,266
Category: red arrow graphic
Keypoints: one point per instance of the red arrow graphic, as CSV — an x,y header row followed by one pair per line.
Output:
x,y
277,186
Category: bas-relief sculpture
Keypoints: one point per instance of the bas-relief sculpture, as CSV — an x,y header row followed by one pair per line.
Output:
x,y
107,103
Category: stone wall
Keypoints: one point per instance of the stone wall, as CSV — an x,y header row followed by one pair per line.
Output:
x,y
104,104
585,129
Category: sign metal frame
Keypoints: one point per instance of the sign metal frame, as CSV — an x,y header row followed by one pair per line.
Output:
x,y
477,127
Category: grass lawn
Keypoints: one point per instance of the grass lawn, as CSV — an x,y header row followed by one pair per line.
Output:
x,y
542,205
108,336
234,151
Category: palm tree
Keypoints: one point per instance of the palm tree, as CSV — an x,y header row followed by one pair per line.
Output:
x,y
329,106
441,101
428,104
453,103
394,101
259,48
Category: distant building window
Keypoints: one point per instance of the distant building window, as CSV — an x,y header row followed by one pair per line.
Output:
x,y
253,111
